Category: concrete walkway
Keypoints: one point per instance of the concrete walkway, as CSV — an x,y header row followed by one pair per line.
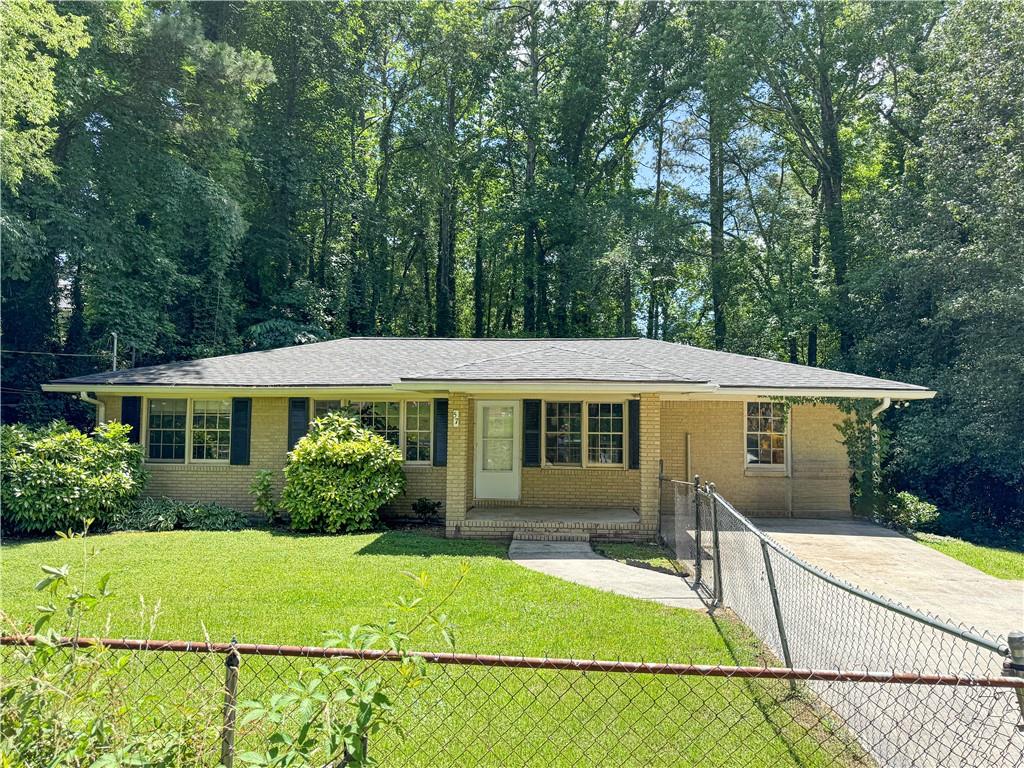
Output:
x,y
888,563
576,562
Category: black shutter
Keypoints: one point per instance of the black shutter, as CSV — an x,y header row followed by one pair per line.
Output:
x,y
298,419
531,433
440,432
241,427
131,414
634,434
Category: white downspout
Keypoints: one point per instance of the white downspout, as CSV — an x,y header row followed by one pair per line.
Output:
x,y
886,402
101,408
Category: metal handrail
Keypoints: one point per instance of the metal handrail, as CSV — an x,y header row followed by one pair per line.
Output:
x,y
964,634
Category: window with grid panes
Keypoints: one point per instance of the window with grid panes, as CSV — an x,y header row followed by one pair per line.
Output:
x,y
604,433
166,429
563,433
211,430
323,407
380,416
766,434
417,430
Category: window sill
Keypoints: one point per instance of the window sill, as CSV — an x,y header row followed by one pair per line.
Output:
x,y
766,471
579,467
180,466
419,465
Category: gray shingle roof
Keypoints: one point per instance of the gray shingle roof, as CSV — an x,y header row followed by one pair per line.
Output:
x,y
383,361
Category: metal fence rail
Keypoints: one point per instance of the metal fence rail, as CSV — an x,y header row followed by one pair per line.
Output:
x,y
809,618
516,711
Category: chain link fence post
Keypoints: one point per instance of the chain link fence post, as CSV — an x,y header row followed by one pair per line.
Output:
x,y
227,736
697,553
716,544
783,639
1014,666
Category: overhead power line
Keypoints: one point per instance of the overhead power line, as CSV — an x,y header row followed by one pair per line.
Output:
x,y
52,354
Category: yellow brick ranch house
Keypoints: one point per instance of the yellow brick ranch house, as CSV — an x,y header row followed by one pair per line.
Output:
x,y
506,433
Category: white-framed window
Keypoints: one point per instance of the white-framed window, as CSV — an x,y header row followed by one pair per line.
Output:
x,y
381,416
323,407
166,429
581,433
563,433
605,434
211,430
766,425
417,430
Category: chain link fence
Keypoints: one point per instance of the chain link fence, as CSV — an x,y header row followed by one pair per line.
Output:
x,y
809,618
512,711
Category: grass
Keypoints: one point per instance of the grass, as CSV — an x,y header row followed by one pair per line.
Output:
x,y
995,561
270,587
652,556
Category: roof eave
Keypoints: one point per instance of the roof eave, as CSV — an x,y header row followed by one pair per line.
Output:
x,y
867,393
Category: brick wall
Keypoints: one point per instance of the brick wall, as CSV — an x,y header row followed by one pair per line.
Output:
x,y
818,483
229,484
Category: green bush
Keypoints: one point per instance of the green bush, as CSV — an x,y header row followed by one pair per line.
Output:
x,y
54,477
339,476
262,490
165,514
907,512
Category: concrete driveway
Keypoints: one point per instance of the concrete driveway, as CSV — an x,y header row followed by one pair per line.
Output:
x,y
891,564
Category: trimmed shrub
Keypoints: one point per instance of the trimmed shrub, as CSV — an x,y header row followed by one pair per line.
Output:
x,y
165,514
54,477
339,476
907,512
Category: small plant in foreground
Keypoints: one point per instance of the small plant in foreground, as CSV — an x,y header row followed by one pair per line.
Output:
x,y
262,490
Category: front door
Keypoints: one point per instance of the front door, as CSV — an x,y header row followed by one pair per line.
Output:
x,y
497,449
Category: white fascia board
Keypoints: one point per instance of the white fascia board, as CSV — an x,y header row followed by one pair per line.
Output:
x,y
746,393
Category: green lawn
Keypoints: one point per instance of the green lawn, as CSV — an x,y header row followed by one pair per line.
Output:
x,y
1001,563
271,587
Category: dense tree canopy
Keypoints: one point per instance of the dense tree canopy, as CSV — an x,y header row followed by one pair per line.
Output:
x,y
835,184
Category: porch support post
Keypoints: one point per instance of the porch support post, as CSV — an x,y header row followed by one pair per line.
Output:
x,y
650,459
459,472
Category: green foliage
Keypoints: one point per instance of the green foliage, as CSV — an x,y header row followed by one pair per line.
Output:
x,y
908,513
56,476
328,716
33,36
75,707
426,509
262,490
339,475
163,514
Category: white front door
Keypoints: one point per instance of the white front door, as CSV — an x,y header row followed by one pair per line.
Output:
x,y
497,449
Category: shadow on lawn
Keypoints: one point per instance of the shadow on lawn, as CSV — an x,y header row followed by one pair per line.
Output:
x,y
415,544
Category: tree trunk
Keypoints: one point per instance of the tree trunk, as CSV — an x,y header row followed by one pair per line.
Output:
x,y
812,333
832,205
478,263
444,288
716,205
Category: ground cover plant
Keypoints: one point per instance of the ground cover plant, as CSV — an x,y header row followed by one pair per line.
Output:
x,y
266,586
1001,562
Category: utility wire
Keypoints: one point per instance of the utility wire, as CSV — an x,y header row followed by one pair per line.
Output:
x,y
53,354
